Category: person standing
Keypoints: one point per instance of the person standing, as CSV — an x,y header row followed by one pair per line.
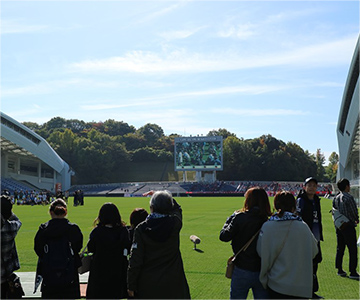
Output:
x,y
309,209
137,216
346,237
109,242
239,228
57,244
10,225
156,268
286,247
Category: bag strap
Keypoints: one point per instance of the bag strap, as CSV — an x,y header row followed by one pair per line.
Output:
x,y
243,248
85,249
282,245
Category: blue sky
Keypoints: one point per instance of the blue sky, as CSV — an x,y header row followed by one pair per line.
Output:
x,y
252,67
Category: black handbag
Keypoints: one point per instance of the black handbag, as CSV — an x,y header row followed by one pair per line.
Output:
x,y
15,290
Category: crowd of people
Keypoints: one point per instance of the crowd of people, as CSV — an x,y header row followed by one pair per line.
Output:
x,y
143,260
273,187
33,197
271,267
30,197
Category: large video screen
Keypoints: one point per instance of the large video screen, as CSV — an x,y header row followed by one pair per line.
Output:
x,y
199,153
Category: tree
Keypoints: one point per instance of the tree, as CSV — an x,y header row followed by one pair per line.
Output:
x,y
32,125
221,132
151,132
114,128
320,161
332,167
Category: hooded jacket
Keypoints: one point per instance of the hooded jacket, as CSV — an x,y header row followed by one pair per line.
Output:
x,y
155,267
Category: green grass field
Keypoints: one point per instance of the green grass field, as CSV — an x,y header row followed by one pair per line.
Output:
x,y
204,217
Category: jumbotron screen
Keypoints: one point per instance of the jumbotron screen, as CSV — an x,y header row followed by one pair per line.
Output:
x,y
199,153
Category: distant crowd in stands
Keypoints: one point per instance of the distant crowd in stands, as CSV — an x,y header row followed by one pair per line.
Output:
x,y
274,187
33,197
270,187
206,187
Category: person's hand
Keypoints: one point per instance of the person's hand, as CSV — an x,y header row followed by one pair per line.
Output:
x,y
131,293
149,193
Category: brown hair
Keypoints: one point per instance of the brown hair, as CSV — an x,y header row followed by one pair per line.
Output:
x,y
257,197
58,207
137,216
284,201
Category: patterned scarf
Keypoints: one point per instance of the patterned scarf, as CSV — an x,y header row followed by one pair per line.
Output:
x,y
286,217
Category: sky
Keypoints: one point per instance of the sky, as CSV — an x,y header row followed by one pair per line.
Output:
x,y
251,67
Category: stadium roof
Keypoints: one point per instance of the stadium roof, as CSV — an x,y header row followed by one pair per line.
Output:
x,y
9,146
18,139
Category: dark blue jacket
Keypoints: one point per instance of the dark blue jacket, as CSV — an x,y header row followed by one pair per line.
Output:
x,y
239,228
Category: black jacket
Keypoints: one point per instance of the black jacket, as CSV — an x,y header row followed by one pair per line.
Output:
x,y
239,228
58,228
107,278
156,268
305,210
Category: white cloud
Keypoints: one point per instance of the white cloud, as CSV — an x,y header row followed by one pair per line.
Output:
x,y
161,12
325,54
35,89
241,31
16,26
260,112
179,34
166,98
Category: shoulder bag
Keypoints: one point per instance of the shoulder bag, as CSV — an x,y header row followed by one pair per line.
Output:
x,y
230,262
340,221
86,258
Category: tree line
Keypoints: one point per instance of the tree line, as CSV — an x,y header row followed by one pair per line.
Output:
x,y
103,152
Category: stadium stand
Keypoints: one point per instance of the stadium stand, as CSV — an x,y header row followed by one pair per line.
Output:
x,y
13,185
219,188
348,128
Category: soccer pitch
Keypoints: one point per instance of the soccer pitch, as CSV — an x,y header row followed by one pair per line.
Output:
x,y
202,216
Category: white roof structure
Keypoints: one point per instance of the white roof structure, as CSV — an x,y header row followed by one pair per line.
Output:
x,y
21,146
348,129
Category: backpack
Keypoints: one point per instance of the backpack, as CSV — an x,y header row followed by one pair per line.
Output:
x,y
58,262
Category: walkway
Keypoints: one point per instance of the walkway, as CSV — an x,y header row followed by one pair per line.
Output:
x,y
28,281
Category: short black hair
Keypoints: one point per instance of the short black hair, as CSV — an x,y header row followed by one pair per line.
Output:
x,y
342,184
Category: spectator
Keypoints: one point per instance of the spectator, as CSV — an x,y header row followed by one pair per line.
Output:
x,y
156,268
346,205
239,228
50,242
137,216
286,247
309,209
109,242
10,225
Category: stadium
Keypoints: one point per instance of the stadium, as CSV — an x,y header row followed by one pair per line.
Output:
x,y
348,129
29,163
